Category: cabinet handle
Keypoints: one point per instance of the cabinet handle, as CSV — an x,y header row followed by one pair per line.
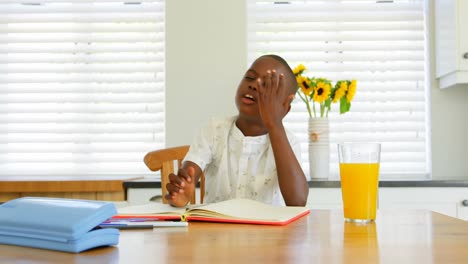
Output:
x,y
158,198
465,202
465,55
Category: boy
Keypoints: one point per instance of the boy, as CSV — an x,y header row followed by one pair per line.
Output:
x,y
250,155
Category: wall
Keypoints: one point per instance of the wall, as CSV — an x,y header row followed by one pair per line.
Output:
x,y
206,57
205,54
449,132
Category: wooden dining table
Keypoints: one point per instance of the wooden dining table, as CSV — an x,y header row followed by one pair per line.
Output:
x,y
413,236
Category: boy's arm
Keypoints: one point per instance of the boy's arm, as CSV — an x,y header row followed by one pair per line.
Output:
x,y
275,103
181,186
291,178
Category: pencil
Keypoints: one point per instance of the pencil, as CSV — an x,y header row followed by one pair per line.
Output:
x,y
142,225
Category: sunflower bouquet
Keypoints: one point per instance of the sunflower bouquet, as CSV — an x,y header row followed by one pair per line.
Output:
x,y
321,91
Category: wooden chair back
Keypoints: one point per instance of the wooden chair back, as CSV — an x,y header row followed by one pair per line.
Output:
x,y
163,159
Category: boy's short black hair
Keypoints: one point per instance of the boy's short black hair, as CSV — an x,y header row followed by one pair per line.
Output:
x,y
291,78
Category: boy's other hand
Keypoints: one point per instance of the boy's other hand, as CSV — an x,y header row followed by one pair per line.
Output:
x,y
180,187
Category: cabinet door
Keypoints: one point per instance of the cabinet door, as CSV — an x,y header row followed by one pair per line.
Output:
x,y
324,198
463,209
463,34
440,200
143,195
445,37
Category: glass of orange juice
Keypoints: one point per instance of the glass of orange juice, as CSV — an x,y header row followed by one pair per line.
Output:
x,y
359,173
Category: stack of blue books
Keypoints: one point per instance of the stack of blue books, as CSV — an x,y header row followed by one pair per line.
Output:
x,y
58,224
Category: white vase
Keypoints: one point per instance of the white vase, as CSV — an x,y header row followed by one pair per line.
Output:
x,y
319,148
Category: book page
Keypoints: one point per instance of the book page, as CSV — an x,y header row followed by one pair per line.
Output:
x,y
247,209
150,209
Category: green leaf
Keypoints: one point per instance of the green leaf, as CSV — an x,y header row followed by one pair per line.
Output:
x,y
344,105
328,104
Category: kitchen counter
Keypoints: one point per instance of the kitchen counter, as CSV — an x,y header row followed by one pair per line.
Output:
x,y
155,183
92,188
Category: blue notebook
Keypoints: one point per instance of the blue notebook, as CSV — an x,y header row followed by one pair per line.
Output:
x,y
57,224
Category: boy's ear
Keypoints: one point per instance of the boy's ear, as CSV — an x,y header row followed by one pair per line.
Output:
x,y
289,101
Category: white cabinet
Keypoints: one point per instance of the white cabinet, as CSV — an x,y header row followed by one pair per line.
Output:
x,y
440,200
448,201
451,42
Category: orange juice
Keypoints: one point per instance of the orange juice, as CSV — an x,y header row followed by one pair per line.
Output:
x,y
359,185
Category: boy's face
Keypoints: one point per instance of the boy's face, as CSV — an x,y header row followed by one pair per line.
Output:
x,y
246,96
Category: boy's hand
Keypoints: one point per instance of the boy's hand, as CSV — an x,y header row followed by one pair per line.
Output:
x,y
274,99
180,187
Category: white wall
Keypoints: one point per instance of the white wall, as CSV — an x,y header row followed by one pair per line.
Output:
x,y
449,132
207,56
206,59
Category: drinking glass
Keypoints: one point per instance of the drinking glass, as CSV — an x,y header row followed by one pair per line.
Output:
x,y
359,173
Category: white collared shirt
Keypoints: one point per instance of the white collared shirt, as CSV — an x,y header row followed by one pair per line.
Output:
x,y
237,166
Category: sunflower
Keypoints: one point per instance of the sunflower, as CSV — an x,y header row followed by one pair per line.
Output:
x,y
304,84
299,69
351,91
321,92
341,91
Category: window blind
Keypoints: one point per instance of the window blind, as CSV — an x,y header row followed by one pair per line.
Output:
x,y
81,86
381,44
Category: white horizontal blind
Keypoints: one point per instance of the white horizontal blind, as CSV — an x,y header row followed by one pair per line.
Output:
x,y
381,44
81,86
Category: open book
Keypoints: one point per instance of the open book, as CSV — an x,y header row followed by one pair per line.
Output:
x,y
243,211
